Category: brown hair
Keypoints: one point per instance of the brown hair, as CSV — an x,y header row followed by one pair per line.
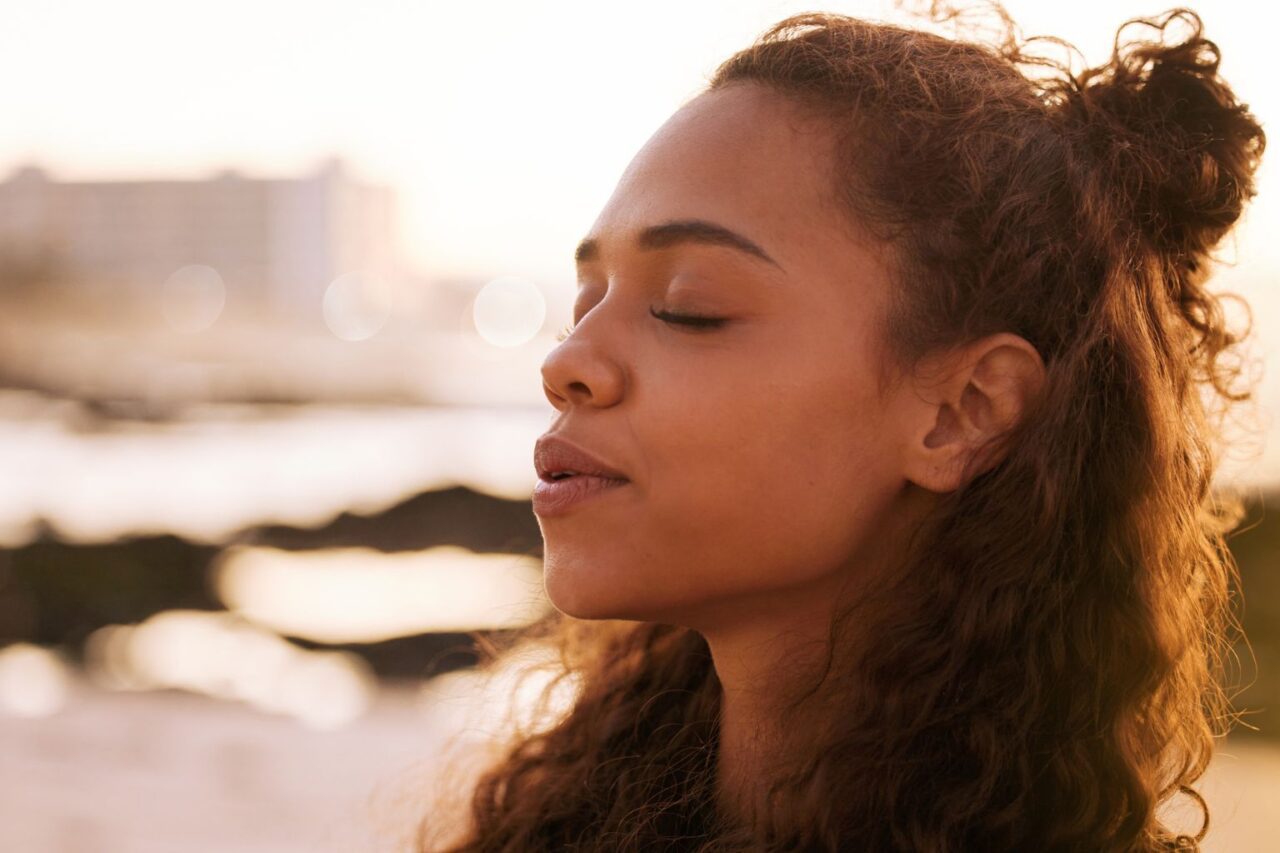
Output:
x,y
1050,659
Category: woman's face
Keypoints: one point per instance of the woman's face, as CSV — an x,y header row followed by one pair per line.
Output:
x,y
761,457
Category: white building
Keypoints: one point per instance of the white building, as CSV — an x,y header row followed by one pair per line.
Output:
x,y
276,243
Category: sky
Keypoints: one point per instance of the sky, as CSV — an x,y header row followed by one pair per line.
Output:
x,y
503,128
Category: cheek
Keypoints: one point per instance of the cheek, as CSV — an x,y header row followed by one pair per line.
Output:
x,y
796,512
790,484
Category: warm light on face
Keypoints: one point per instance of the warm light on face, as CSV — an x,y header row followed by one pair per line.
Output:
x,y
723,351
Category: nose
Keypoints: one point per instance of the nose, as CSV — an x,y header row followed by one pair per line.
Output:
x,y
580,372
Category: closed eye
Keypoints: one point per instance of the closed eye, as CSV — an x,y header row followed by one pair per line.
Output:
x,y
689,320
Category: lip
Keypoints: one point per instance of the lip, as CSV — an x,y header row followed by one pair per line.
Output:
x,y
594,477
557,497
552,453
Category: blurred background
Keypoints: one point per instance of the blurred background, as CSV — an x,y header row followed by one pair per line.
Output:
x,y
276,280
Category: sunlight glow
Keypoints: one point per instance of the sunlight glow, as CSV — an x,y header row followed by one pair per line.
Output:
x,y
33,681
359,595
483,706
240,466
224,656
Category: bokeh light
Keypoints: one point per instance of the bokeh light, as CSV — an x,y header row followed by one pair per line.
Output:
x,y
33,681
350,595
223,655
193,297
357,304
508,311
242,467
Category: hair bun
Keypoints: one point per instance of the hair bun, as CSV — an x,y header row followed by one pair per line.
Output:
x,y
1176,149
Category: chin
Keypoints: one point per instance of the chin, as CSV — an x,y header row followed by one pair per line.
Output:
x,y
566,591
586,592
571,599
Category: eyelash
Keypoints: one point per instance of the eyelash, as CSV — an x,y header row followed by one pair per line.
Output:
x,y
689,320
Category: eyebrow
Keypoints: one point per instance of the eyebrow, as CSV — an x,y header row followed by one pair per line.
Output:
x,y
677,231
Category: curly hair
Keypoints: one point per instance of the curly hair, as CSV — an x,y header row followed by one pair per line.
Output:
x,y
1050,658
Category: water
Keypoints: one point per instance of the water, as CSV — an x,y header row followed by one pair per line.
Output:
x,y
221,468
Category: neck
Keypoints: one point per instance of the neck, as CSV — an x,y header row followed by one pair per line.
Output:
x,y
769,648
772,648
759,668
747,744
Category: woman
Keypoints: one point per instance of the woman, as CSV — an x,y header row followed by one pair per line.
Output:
x,y
876,506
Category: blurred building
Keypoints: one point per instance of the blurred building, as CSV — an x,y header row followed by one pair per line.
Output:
x,y
276,243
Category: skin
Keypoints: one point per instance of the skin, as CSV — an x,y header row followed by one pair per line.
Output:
x,y
770,473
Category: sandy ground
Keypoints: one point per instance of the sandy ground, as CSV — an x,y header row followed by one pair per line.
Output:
x,y
169,771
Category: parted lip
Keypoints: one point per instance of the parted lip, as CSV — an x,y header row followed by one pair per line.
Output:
x,y
552,454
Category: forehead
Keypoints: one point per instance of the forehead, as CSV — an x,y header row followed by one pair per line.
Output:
x,y
743,156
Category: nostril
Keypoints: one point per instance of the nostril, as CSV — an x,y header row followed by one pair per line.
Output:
x,y
551,395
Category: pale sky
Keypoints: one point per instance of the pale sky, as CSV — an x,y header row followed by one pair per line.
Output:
x,y
503,126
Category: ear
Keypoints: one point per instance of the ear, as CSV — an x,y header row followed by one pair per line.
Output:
x,y
966,399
